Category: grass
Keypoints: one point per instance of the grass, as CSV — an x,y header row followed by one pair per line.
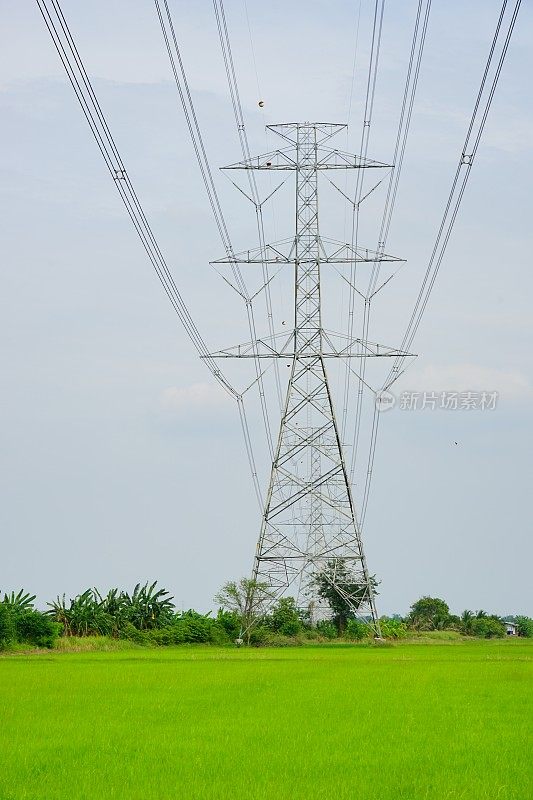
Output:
x,y
416,721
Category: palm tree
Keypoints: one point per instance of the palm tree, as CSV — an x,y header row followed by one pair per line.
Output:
x,y
466,621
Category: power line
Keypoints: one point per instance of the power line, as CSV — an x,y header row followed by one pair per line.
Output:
x,y
354,64
81,84
411,83
417,49
70,57
377,28
466,160
233,86
71,60
254,60
182,85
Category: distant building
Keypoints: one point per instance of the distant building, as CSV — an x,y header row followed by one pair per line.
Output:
x,y
511,629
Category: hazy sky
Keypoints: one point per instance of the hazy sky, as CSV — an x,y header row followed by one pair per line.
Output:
x,y
120,460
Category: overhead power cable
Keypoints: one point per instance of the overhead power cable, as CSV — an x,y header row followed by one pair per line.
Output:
x,y
182,85
460,180
77,75
354,64
475,130
373,63
409,94
233,86
225,45
70,58
411,83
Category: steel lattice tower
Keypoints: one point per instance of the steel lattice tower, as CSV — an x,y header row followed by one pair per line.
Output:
x,y
309,523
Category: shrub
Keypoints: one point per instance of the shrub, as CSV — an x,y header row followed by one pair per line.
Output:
x,y
355,630
327,629
524,626
273,639
487,627
188,628
218,635
230,623
259,635
20,623
312,634
34,627
429,614
192,627
8,633
393,628
284,618
131,633
161,636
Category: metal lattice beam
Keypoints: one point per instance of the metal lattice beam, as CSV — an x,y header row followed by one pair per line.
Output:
x,y
309,524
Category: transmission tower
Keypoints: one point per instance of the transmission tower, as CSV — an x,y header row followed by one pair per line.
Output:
x,y
310,526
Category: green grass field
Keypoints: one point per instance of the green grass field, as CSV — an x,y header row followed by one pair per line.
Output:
x,y
408,722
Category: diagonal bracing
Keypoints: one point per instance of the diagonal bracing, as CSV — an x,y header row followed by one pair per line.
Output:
x,y
309,526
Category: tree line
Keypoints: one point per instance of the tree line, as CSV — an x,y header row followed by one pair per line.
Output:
x,y
247,612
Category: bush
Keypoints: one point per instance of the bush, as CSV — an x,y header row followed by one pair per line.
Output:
x,y
230,623
272,639
327,629
285,618
8,633
260,635
35,628
487,627
393,628
218,635
192,627
311,634
524,626
355,630
188,628
429,614
161,636
23,625
131,633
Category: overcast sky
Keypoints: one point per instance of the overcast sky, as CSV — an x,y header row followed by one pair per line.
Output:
x,y
120,460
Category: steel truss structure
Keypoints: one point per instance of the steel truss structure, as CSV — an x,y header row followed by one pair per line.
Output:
x,y
310,527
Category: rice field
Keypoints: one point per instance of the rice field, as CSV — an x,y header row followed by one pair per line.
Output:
x,y
430,721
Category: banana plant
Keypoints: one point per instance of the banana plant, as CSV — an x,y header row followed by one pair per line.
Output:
x,y
148,607
84,615
22,601
91,613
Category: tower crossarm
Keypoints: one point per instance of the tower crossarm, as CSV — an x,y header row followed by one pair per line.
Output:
x,y
330,251
290,157
334,346
326,158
